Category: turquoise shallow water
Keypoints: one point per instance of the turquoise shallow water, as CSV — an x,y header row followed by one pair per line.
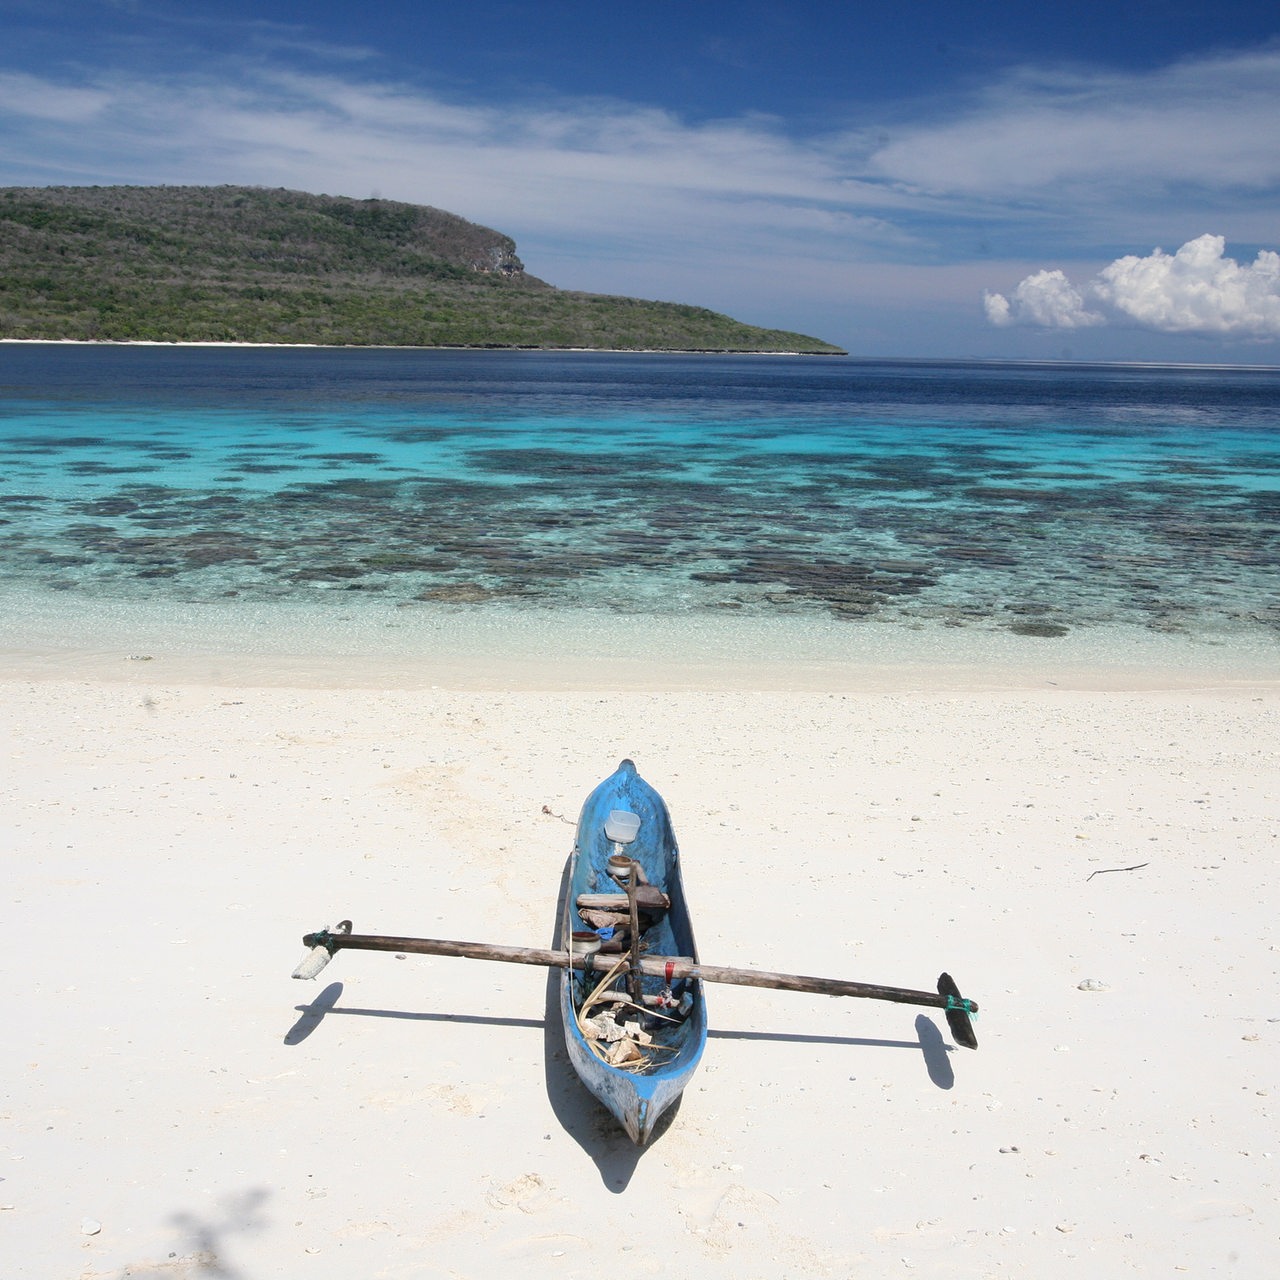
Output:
x,y
1040,501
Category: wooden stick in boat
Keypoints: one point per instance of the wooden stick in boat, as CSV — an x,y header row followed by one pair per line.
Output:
x,y
646,896
947,997
635,979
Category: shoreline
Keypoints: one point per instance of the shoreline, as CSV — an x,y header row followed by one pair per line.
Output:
x,y
336,644
1038,362
374,346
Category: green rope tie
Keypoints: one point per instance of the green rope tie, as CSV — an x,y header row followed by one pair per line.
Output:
x,y
964,1006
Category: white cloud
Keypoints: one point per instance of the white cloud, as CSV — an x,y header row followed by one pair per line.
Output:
x,y
29,96
1067,151
1047,299
1050,137
614,176
1196,290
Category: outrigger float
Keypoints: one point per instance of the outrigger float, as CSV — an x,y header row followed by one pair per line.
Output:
x,y
631,990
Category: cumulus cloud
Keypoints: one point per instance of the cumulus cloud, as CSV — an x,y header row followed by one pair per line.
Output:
x,y
1047,299
1195,290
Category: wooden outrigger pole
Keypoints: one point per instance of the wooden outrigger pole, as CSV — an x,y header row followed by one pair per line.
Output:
x,y
324,943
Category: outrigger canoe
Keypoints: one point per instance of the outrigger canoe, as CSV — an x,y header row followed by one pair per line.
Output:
x,y
631,997
634,1038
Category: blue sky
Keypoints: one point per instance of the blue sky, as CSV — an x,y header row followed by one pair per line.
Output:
x,y
985,179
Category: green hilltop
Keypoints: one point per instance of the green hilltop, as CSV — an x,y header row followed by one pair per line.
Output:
x,y
250,264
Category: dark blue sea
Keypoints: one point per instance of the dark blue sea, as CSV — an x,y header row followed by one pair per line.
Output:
x,y
1041,501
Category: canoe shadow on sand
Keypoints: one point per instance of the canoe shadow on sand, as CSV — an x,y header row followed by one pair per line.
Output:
x,y
582,1118
598,1133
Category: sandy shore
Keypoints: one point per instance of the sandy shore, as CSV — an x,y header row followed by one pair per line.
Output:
x,y
375,346
178,1107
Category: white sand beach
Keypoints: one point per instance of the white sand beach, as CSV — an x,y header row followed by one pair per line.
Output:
x,y
1094,865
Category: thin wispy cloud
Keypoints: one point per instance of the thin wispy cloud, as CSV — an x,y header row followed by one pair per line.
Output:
x,y
595,169
1211,123
29,97
260,122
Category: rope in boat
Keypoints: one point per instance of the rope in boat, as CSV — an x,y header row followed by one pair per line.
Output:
x,y
597,996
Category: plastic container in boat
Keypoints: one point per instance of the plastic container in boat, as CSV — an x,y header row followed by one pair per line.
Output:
x,y
621,826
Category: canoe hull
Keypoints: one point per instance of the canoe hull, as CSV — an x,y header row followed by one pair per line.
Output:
x,y
637,1099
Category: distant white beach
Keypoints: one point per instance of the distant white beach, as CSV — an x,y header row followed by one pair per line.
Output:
x,y
373,346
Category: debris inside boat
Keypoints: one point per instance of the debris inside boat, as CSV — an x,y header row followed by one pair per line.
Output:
x,y
626,1031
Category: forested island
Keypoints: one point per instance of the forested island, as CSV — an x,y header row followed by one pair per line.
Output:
x,y
251,264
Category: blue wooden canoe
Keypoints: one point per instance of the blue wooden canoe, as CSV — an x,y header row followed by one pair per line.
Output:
x,y
637,1095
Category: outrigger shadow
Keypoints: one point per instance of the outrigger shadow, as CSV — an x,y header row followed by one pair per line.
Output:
x,y
635,1035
